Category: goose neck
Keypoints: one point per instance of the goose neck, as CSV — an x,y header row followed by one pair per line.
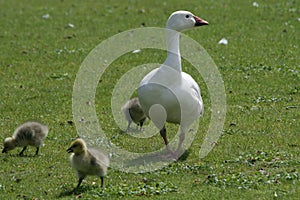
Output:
x,y
174,58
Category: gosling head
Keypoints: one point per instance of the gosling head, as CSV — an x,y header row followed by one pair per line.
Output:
x,y
77,147
182,20
9,144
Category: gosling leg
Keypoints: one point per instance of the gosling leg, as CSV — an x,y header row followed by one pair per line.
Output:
x,y
141,125
79,182
37,151
21,153
102,181
128,126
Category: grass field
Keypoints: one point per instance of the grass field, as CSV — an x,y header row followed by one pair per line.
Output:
x,y
43,44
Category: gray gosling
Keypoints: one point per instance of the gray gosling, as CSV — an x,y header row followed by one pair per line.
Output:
x,y
29,133
133,113
87,161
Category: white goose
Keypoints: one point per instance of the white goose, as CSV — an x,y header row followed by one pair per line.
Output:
x,y
168,87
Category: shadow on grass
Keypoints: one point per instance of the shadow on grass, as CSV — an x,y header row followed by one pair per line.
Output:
x,y
132,130
67,193
75,192
155,158
121,133
184,156
18,156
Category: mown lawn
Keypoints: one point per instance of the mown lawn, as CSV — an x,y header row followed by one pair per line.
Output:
x,y
43,44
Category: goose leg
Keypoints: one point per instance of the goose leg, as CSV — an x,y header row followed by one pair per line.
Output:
x,y
21,153
181,139
163,133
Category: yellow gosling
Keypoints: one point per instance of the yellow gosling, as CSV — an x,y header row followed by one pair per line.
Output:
x,y
87,161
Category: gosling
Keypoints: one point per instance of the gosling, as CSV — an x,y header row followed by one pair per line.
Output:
x,y
29,133
87,161
133,112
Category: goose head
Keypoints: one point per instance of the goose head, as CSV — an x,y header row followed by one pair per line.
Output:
x,y
183,20
78,146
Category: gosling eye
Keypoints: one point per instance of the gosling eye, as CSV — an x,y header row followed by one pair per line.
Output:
x,y
187,16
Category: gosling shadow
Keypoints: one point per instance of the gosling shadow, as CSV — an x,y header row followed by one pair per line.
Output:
x,y
74,191
20,156
136,130
66,193
77,191
122,133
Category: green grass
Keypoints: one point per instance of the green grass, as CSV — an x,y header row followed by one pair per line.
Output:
x,y
257,155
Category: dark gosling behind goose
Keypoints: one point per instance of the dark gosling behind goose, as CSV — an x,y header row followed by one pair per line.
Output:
x,y
134,113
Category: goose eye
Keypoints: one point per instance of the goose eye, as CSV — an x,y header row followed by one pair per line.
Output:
x,y
187,16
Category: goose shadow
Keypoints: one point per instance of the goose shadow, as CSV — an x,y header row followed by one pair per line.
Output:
x,y
155,158
184,156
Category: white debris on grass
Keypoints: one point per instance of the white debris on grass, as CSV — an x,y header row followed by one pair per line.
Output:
x,y
255,4
136,51
46,16
223,41
71,25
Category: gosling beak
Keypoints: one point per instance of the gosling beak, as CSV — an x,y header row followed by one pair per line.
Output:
x,y
70,150
4,151
200,22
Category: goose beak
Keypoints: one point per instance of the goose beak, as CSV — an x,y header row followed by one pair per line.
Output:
x,y
200,22
70,150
